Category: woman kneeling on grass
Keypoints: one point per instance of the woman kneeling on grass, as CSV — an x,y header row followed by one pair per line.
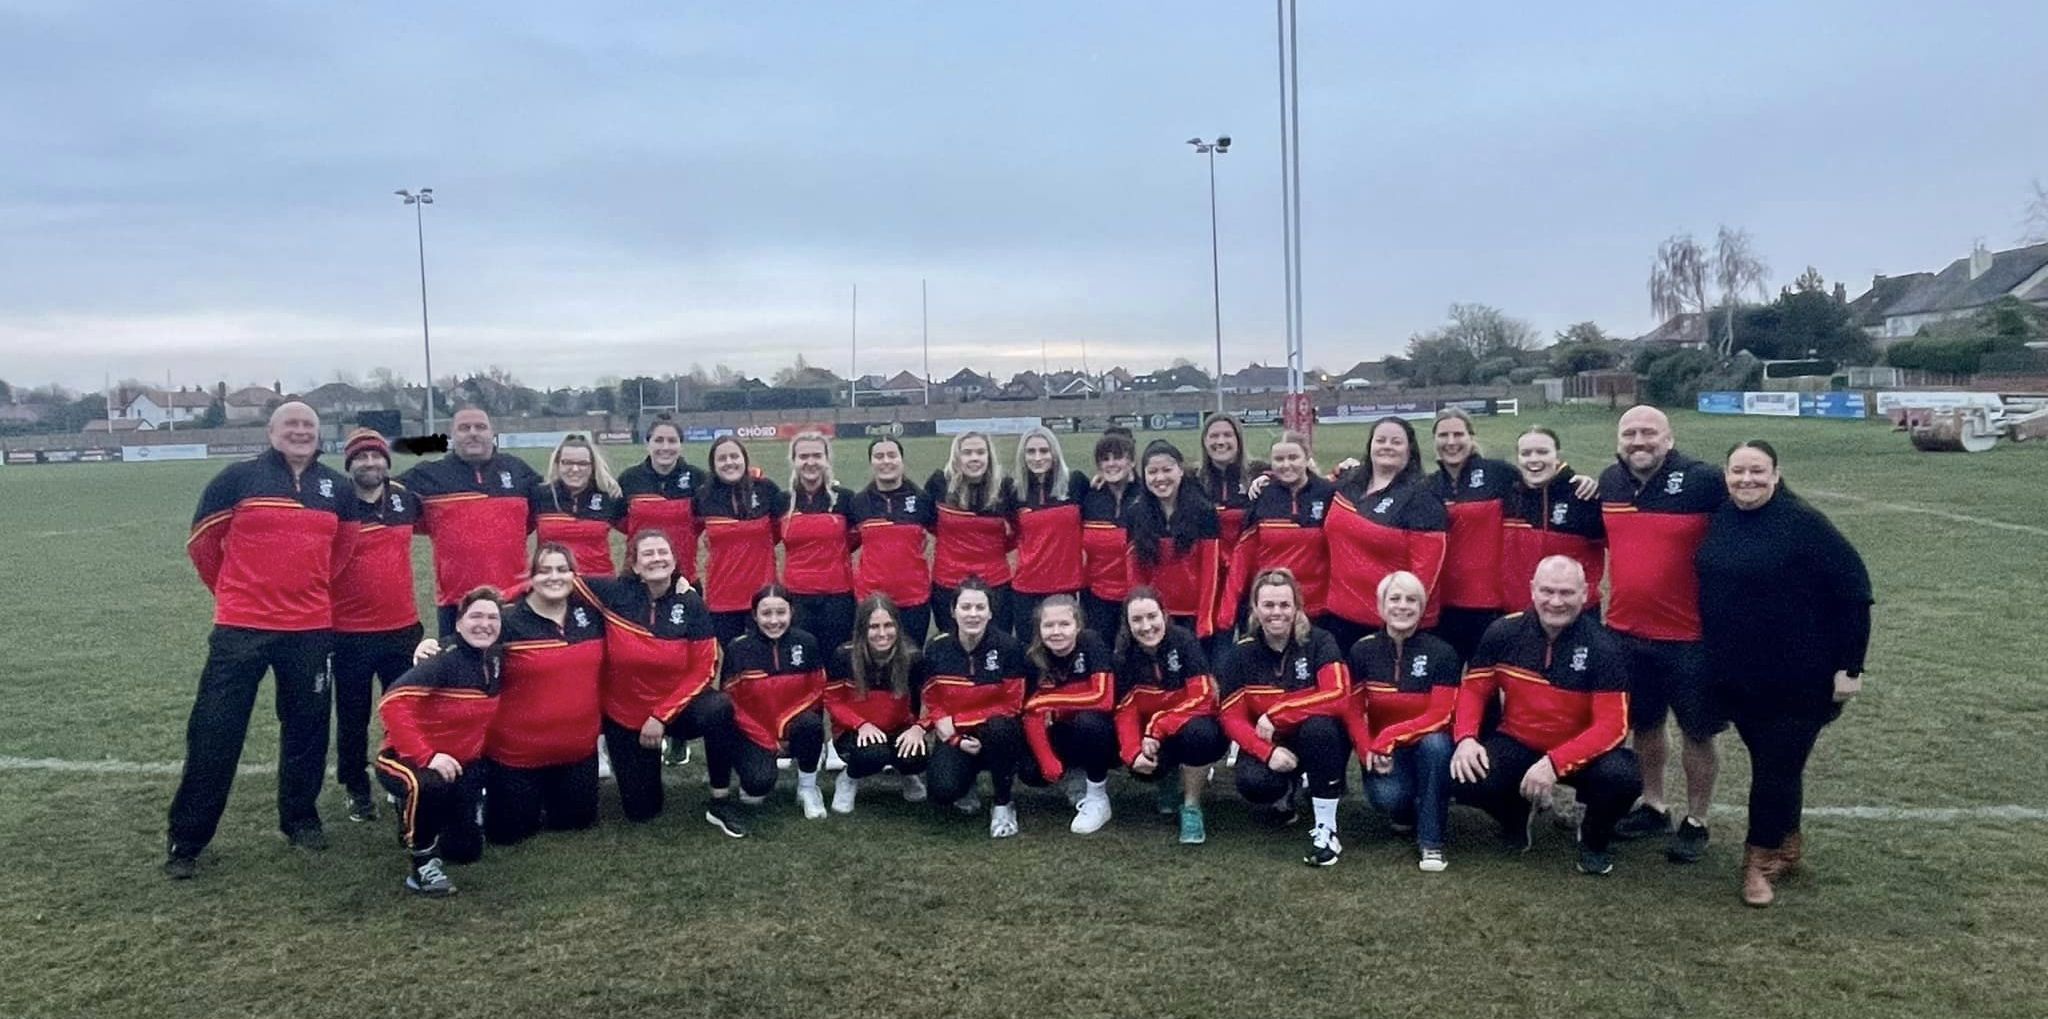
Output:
x,y
1404,690
971,701
872,689
775,676
1066,712
435,717
1166,724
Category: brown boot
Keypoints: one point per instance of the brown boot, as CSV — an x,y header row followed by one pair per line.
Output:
x,y
1790,852
1756,876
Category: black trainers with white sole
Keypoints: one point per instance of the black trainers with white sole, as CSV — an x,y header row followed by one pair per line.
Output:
x,y
1323,848
726,817
1688,843
1643,822
427,877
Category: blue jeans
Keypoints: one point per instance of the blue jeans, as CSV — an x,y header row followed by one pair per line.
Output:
x,y
1418,790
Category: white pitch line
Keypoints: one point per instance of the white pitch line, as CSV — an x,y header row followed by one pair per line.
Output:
x,y
1936,815
1961,518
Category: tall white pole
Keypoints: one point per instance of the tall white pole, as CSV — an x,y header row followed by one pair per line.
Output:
x,y
1286,185
924,300
419,225
1215,278
1294,102
853,327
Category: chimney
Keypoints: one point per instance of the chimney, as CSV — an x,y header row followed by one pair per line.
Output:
x,y
1980,260
1841,293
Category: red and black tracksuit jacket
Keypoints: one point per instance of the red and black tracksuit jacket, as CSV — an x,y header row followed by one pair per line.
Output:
x,y
1401,691
818,541
741,524
893,528
1189,582
667,502
373,591
1542,523
771,682
881,706
549,707
1565,697
477,515
659,653
1284,528
1106,540
1048,533
1083,679
1158,690
1232,506
973,686
1298,682
443,705
1473,499
1653,529
269,545
970,542
1399,527
583,522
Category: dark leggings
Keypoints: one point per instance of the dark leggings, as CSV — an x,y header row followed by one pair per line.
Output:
x,y
435,816
520,802
953,771
998,607
358,658
756,763
638,769
827,617
1084,740
1607,788
1097,614
1779,745
1199,742
1325,755
862,761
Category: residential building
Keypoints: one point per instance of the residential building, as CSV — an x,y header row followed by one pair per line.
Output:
x,y
164,407
1256,378
1895,309
1686,329
967,384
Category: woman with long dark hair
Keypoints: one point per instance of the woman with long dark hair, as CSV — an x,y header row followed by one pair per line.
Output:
x,y
894,519
1226,475
1166,711
1046,516
1105,533
1175,542
1067,705
873,693
740,513
817,542
972,697
775,675
1785,615
1383,519
972,536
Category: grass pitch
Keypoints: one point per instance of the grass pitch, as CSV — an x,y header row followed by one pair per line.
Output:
x,y
897,911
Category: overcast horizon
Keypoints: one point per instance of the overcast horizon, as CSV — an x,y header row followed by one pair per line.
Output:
x,y
206,188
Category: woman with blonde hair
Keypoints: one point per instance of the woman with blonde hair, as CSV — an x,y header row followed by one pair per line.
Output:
x,y
1046,517
973,533
817,543
1404,690
578,503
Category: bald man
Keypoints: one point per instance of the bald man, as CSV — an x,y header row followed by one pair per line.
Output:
x,y
1655,503
270,535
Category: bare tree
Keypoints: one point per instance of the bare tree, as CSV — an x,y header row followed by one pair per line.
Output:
x,y
1810,282
2034,227
1678,278
1485,331
1738,269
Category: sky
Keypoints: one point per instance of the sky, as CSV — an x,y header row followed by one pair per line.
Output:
x,y
203,191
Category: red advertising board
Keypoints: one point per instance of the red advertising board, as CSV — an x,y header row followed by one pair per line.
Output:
x,y
782,432
1298,414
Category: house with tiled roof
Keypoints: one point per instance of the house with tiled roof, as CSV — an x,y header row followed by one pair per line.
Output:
x,y
1897,307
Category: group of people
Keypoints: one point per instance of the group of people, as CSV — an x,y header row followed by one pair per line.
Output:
x,y
1445,628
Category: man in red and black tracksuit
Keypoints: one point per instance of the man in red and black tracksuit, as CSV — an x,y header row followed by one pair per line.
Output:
x,y
1655,503
376,622
1562,682
269,537
475,508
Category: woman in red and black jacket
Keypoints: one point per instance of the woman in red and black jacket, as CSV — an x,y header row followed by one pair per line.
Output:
x,y
1046,517
1283,530
1385,518
775,675
973,693
1226,475
894,520
972,536
740,513
1404,687
1105,530
1175,546
660,659
1067,705
435,719
817,543
1552,511
542,745
873,687
578,505
661,492
1166,709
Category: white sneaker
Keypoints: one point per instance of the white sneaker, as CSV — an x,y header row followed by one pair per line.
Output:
x,y
812,801
604,761
1323,848
913,789
1002,822
843,793
833,762
1090,814
1075,785
1433,861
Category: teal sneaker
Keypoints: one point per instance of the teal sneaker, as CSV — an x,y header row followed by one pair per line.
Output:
x,y
1192,831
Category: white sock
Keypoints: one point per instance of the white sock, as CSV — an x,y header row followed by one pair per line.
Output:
x,y
807,780
1326,812
1098,790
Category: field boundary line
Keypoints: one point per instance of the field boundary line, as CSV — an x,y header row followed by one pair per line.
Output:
x,y
1936,815
1900,507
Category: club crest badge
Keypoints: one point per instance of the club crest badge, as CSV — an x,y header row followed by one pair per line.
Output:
x,y
1381,507
675,614
1557,514
991,663
1420,667
1579,658
504,479
326,488
1674,483
796,655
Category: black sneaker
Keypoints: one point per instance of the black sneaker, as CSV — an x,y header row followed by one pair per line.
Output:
x,y
1323,848
675,752
312,838
428,878
1643,822
361,807
1518,831
1688,843
1595,862
181,868
722,815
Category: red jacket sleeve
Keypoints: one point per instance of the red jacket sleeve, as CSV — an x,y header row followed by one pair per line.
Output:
x,y
1093,694
401,724
692,679
1199,699
1609,728
1333,685
1242,727
208,541
1238,569
839,705
1128,734
1013,699
1474,694
1443,702
1209,570
1426,559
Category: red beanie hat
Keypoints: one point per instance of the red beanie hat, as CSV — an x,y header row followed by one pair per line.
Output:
x,y
364,440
